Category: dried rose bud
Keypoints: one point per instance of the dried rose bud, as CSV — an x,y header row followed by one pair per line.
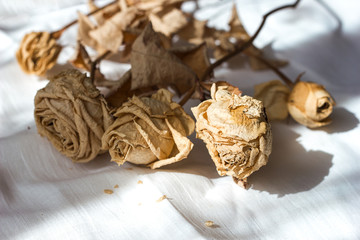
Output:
x,y
73,115
38,52
310,104
149,130
236,132
274,95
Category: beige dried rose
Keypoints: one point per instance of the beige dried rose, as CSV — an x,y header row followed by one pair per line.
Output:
x,y
149,130
38,52
73,115
236,132
274,95
310,104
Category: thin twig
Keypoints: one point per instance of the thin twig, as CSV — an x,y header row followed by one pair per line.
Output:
x,y
283,77
232,54
58,33
188,94
246,44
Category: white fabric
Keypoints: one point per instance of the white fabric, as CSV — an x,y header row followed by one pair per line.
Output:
x,y
309,190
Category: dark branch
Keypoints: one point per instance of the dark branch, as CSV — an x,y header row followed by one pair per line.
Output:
x,y
246,44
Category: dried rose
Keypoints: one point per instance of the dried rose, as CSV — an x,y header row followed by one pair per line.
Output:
x,y
310,104
236,132
38,52
274,95
73,115
149,130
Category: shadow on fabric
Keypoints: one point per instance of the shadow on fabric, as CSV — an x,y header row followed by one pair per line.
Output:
x,y
291,168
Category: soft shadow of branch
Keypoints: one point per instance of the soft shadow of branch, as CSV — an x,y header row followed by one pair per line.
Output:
x,y
291,169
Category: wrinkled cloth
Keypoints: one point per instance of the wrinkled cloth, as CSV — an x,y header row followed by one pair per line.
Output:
x,y
308,190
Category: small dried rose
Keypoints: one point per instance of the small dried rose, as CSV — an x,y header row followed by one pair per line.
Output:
x,y
274,95
73,115
310,104
38,52
149,130
236,132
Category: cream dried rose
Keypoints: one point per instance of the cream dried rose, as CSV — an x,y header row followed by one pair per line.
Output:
x,y
236,132
73,115
274,95
310,104
38,52
149,130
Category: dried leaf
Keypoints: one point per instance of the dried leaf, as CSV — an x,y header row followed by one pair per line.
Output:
x,y
81,58
152,65
237,29
101,16
195,57
110,35
168,21
274,95
85,26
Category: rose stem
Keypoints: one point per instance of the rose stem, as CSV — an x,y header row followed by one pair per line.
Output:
x,y
275,69
57,34
237,50
247,43
95,63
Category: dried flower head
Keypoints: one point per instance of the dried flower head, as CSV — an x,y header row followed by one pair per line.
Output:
x,y
310,104
38,52
149,130
274,95
73,115
236,132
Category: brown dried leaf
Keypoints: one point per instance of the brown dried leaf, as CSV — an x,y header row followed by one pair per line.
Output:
x,y
168,21
81,58
101,16
195,57
85,26
237,29
110,35
152,65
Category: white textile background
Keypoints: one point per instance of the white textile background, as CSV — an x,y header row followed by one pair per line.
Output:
x,y
310,188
